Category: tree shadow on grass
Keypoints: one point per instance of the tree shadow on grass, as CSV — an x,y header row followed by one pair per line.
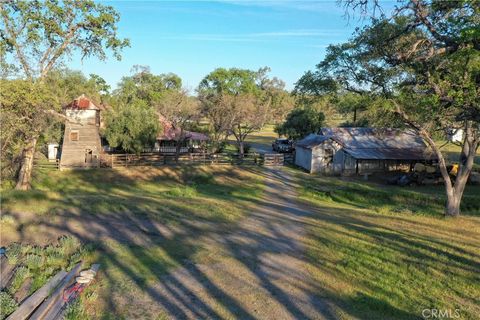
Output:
x,y
141,236
148,239
395,268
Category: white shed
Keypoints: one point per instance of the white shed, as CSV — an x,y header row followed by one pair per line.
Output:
x,y
52,151
315,153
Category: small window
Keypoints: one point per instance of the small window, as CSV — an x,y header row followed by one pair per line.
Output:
x,y
74,136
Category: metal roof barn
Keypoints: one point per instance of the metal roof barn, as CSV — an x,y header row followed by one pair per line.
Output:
x,y
347,150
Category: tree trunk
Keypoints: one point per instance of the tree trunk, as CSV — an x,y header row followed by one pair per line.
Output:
x,y
240,148
453,203
471,143
25,174
455,191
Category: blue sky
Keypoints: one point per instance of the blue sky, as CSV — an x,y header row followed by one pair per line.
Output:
x,y
193,38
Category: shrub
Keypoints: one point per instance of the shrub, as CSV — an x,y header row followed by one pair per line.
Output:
x,y
14,252
7,305
68,245
75,311
21,274
33,261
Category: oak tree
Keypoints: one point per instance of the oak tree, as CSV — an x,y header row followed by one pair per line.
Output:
x,y
421,67
37,36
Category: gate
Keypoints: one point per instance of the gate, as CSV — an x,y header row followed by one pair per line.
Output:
x,y
273,159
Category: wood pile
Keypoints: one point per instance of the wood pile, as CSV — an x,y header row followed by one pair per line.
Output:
x,y
51,300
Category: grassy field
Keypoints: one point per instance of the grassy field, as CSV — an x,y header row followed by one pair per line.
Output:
x,y
374,251
384,252
140,223
451,152
260,141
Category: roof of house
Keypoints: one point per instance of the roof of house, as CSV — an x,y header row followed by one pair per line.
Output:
x,y
84,103
375,143
169,132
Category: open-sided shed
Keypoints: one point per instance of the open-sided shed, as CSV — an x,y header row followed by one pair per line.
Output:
x,y
361,150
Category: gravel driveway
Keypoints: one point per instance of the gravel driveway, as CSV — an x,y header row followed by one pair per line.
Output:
x,y
255,272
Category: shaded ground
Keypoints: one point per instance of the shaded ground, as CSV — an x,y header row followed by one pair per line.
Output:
x,y
256,271
206,242
190,253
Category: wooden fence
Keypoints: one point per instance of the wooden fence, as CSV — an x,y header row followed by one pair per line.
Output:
x,y
45,164
156,159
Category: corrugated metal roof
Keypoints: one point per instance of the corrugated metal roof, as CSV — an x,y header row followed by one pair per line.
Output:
x,y
311,141
83,103
354,138
170,133
374,143
390,154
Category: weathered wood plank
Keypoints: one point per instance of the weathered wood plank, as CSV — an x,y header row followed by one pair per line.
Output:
x,y
6,271
32,302
58,310
55,298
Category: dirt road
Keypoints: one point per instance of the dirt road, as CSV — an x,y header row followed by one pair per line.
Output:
x,y
255,272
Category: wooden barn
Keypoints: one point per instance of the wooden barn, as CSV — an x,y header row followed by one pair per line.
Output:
x,y
81,141
349,151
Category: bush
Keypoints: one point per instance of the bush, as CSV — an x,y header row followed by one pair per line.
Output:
x,y
7,305
21,274
68,245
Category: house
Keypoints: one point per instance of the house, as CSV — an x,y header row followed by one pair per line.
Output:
x,y
81,146
350,151
167,140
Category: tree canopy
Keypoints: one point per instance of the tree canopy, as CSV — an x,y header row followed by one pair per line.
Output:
x,y
36,37
420,68
238,102
300,123
131,127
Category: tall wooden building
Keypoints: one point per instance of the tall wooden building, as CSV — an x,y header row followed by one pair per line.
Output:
x,y
81,141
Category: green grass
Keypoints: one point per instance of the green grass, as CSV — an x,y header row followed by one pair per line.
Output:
x,y
142,222
7,304
451,153
264,136
380,198
382,252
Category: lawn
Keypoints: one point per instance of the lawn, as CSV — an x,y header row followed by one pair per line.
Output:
x,y
259,141
451,152
140,222
385,252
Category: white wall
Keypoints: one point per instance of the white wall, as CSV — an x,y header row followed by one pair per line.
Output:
x,y
303,158
52,151
81,115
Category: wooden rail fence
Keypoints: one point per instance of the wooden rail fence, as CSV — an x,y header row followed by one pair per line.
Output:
x,y
156,159
45,164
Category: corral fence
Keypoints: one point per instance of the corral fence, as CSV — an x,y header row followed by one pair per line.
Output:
x,y
157,159
45,164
